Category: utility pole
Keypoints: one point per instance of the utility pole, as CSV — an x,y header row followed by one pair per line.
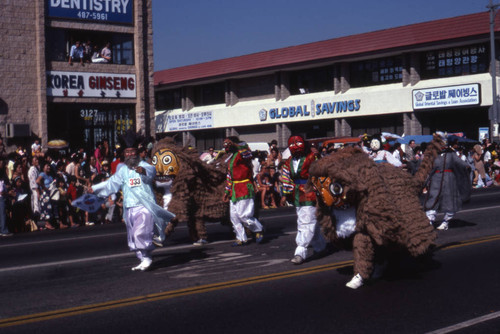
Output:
x,y
493,114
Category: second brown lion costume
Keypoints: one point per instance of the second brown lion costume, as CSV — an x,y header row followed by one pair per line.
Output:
x,y
378,203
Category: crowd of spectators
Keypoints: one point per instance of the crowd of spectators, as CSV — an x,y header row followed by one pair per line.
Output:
x,y
38,188
483,158
87,52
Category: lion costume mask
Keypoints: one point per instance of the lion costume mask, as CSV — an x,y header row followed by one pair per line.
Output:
x,y
383,198
197,188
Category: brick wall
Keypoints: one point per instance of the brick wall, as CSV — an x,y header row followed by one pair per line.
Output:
x,y
18,63
23,65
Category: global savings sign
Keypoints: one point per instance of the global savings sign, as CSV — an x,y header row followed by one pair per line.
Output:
x,y
83,84
315,109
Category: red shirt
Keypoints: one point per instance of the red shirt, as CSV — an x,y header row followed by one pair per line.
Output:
x,y
72,192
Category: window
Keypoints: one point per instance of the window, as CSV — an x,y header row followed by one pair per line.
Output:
x,y
376,72
122,49
311,81
210,94
455,61
168,99
254,88
59,42
83,125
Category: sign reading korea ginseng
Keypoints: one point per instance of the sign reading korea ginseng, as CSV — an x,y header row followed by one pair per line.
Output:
x,y
83,84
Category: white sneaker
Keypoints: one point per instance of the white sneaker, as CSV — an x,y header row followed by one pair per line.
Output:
x,y
355,282
443,226
297,259
157,241
200,242
144,265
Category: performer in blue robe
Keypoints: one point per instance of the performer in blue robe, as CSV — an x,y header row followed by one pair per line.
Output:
x,y
140,211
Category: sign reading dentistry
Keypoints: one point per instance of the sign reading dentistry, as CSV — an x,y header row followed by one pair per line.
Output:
x,y
444,97
118,11
190,121
84,84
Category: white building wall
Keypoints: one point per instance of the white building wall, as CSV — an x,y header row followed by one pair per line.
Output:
x,y
375,100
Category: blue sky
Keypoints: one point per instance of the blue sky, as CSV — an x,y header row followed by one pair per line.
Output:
x,y
195,31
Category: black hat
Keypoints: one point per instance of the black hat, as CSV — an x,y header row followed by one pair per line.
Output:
x,y
130,139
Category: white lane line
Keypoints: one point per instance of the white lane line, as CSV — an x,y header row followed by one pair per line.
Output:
x,y
466,324
479,209
97,258
63,238
157,251
474,210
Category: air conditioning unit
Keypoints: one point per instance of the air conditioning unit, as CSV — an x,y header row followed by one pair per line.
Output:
x,y
17,130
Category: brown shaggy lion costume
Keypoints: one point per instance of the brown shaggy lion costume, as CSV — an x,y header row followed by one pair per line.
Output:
x,y
197,188
384,201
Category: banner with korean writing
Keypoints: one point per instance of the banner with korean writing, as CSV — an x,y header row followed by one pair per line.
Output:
x,y
190,121
446,97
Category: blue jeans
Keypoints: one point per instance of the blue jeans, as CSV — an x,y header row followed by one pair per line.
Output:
x,y
3,225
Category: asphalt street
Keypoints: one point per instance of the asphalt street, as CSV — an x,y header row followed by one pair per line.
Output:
x,y
79,281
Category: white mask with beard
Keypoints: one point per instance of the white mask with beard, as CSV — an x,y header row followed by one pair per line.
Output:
x,y
132,161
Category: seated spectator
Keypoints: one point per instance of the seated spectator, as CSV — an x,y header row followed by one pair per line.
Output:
x,y
110,206
256,162
208,157
397,152
87,51
36,149
274,175
90,168
3,151
74,214
48,198
265,188
20,206
274,158
76,53
143,154
273,144
104,56
106,53
4,190
11,161
21,151
315,150
105,169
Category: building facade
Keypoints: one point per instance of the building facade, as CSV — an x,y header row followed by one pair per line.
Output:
x,y
412,80
44,95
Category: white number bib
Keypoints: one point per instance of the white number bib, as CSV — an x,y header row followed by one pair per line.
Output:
x,y
134,182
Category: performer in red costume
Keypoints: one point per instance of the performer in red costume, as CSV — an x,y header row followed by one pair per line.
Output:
x,y
240,191
295,175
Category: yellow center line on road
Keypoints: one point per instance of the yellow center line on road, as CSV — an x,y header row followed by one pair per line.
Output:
x,y
44,316
469,242
20,320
